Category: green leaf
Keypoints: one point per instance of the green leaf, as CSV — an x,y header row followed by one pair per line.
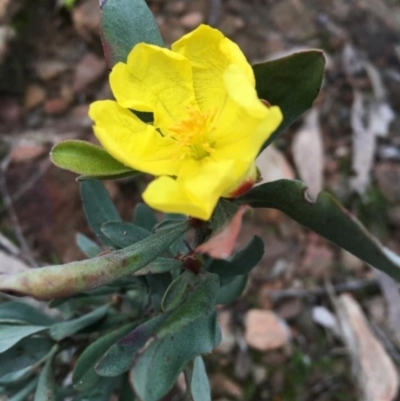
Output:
x,y
159,266
22,312
84,377
15,378
61,330
241,262
231,289
89,160
25,353
99,208
292,83
158,285
11,335
327,218
176,291
102,392
125,23
75,277
156,370
199,303
199,385
223,213
123,234
118,359
127,393
144,217
87,246
25,392
46,389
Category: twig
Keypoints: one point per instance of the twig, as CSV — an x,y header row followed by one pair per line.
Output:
x,y
355,285
26,252
214,13
387,343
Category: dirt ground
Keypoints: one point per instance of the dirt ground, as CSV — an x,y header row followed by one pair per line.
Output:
x,y
51,69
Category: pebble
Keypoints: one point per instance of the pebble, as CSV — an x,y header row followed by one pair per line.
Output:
x,y
35,95
264,330
388,176
49,69
86,19
88,71
27,153
56,106
192,19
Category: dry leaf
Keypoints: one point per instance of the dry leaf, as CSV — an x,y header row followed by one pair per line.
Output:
x,y
222,244
390,290
373,369
308,153
371,114
273,165
10,264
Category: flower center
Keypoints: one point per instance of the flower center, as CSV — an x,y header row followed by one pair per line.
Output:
x,y
191,133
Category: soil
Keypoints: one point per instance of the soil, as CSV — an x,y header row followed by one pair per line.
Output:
x,y
52,68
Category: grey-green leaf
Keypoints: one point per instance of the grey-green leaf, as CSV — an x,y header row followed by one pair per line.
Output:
x,y
231,289
65,280
123,234
156,370
99,208
199,385
23,312
241,262
199,303
118,359
327,218
12,334
292,83
87,246
25,392
62,330
84,377
25,353
125,23
144,217
46,389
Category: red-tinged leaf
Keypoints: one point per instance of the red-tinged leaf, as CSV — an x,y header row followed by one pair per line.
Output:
x,y
222,244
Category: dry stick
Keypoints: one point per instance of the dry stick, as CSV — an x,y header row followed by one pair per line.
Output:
x,y
387,343
26,252
354,285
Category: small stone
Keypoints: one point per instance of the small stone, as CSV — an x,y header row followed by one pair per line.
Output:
x,y
27,153
86,19
35,95
192,20
89,70
47,70
230,24
265,331
56,106
387,176
176,7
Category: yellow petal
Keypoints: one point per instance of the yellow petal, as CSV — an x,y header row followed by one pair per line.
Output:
x,y
196,190
155,80
210,53
131,141
167,195
244,123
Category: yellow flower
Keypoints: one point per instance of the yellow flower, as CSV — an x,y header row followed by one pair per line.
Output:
x,y
208,128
